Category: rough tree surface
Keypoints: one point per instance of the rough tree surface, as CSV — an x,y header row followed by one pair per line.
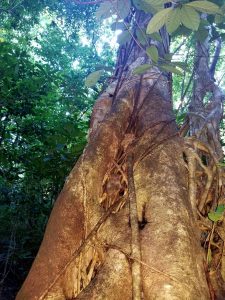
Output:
x,y
125,225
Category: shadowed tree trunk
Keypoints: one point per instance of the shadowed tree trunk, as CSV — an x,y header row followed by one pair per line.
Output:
x,y
125,225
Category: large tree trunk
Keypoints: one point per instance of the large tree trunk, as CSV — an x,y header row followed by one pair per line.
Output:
x,y
124,226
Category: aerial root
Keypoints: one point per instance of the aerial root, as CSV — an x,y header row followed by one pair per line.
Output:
x,y
206,194
115,186
204,168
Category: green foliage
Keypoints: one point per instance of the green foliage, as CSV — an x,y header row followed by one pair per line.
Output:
x,y
119,7
202,32
152,52
41,138
124,37
142,37
156,4
158,20
217,215
205,7
118,26
171,68
190,18
93,78
184,13
141,69
173,20
123,8
105,10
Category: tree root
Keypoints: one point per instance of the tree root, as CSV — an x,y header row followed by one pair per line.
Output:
x,y
205,194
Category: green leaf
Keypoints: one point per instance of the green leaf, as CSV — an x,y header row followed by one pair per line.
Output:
x,y
220,208
183,31
189,17
172,69
181,65
152,52
143,5
205,7
93,78
158,20
156,4
202,33
156,36
168,56
123,8
173,20
124,37
141,69
215,216
118,26
142,37
219,19
104,11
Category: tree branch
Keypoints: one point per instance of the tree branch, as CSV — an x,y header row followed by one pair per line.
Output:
x,y
212,68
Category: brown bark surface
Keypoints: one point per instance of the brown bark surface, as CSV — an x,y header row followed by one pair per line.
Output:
x,y
89,227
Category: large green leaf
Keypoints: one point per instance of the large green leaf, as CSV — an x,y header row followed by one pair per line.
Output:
x,y
142,37
141,69
189,17
124,37
215,216
205,6
157,5
170,68
93,78
152,52
143,5
168,56
123,8
105,10
220,208
173,20
202,33
220,18
181,65
118,26
158,20
156,36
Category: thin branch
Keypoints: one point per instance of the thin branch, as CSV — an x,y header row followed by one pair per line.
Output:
x,y
216,56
